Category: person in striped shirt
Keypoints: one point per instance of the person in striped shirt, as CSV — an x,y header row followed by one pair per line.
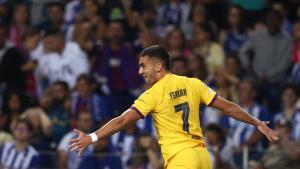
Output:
x,y
19,153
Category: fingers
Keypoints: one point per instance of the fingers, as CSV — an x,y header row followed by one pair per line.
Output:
x,y
73,140
272,135
77,131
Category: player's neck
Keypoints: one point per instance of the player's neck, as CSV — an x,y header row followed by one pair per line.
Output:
x,y
161,75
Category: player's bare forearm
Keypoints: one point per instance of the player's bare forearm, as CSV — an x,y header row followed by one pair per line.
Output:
x,y
117,124
233,110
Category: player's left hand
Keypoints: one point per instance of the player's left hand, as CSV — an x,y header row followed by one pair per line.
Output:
x,y
269,133
80,143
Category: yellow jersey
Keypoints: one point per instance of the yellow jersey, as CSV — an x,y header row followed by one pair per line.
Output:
x,y
174,103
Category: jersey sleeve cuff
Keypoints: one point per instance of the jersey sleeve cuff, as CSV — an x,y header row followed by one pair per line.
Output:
x,y
137,111
213,100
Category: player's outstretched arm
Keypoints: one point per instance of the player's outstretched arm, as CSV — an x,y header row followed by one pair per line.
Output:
x,y
235,111
83,140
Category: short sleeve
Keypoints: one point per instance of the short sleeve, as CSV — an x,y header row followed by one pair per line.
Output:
x,y
207,95
144,104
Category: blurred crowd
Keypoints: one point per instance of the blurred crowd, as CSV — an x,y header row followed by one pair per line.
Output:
x,y
68,64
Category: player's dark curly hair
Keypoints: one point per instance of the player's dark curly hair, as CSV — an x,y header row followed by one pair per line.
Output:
x,y
158,51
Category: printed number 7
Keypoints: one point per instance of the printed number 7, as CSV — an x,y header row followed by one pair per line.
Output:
x,y
184,107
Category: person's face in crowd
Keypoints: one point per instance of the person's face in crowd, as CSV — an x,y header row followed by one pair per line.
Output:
x,y
21,132
83,87
278,7
90,7
85,121
179,68
193,63
220,76
55,14
2,36
289,97
201,37
148,16
14,103
85,28
175,40
115,32
213,137
296,31
245,92
199,14
148,68
54,43
21,14
232,65
59,94
273,23
234,17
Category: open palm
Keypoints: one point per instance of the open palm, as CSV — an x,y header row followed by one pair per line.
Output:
x,y
80,143
269,133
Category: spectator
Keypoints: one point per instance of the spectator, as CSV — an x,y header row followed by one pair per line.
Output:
x,y
241,134
171,14
90,12
282,154
57,111
289,110
63,61
217,145
29,42
55,20
84,35
84,98
123,142
124,11
147,153
226,88
20,23
253,10
118,65
175,44
295,75
233,68
271,51
198,17
20,154
11,61
286,23
235,33
198,68
13,108
180,66
211,51
68,159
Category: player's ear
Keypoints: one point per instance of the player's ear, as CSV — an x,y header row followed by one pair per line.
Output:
x,y
158,67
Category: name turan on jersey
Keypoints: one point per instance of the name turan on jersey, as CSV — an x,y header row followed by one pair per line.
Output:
x,y
178,93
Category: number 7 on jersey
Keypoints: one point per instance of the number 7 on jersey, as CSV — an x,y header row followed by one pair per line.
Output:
x,y
184,107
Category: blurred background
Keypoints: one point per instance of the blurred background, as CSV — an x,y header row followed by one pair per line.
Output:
x,y
68,64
